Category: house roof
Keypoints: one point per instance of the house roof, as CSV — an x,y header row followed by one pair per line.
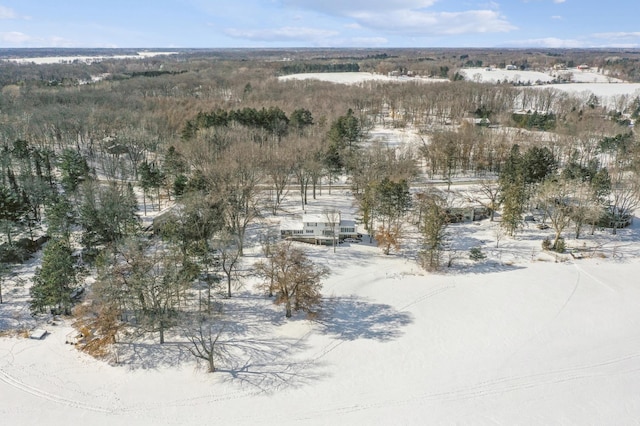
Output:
x,y
291,225
322,218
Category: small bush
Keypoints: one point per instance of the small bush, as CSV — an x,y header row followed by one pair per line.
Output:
x,y
546,244
476,254
560,246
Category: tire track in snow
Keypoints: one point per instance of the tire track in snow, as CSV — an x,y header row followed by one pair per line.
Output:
x,y
547,323
427,296
566,302
39,393
498,386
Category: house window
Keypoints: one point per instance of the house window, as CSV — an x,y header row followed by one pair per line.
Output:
x,y
347,230
297,231
309,231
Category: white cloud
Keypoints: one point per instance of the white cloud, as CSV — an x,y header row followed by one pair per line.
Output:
x,y
410,17
368,41
619,35
56,41
559,1
282,34
550,42
19,39
340,7
6,13
435,23
15,38
557,17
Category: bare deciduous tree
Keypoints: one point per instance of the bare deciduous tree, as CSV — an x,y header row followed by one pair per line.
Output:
x,y
293,277
554,197
203,333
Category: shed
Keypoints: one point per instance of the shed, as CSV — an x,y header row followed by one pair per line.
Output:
x,y
37,334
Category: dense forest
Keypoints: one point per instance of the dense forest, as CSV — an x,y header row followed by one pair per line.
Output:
x,y
215,140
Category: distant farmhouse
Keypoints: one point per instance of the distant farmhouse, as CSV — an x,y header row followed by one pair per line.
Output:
x,y
466,214
319,228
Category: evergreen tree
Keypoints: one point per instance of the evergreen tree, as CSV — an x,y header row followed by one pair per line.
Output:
x,y
54,280
301,118
433,226
513,191
538,164
344,135
12,208
74,169
151,177
107,214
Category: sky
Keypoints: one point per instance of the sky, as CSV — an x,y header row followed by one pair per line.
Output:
x,y
319,23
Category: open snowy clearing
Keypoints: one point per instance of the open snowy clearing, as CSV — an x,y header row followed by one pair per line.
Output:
x,y
357,78
585,82
87,59
493,75
598,89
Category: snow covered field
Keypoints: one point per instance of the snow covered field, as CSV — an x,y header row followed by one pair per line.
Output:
x,y
87,59
586,82
356,78
493,75
603,90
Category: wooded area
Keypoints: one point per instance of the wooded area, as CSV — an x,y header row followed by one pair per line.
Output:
x,y
215,141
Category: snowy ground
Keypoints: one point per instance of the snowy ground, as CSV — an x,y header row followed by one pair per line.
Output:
x,y
585,82
493,75
88,59
598,89
357,78
522,337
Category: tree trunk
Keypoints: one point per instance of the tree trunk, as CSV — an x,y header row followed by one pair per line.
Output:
x,y
555,241
288,308
212,367
161,333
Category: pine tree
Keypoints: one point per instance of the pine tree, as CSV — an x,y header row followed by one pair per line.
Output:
x,y
513,190
54,280
433,227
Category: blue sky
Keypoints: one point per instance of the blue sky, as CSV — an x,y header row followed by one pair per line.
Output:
x,y
319,23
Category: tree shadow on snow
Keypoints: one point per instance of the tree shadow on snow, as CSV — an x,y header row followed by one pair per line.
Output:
x,y
266,364
251,353
349,318
482,267
147,356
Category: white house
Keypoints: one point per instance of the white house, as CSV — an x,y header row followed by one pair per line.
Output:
x,y
319,228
